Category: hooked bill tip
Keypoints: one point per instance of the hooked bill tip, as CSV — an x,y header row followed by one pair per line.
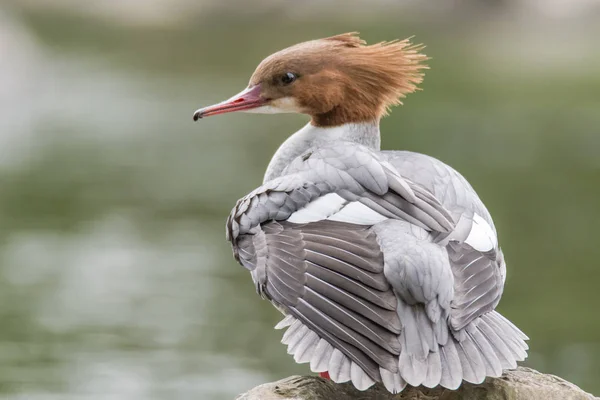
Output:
x,y
197,115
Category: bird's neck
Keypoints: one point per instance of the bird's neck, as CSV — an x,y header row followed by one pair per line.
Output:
x,y
311,136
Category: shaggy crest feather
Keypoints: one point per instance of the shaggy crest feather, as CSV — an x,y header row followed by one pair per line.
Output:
x,y
341,79
392,69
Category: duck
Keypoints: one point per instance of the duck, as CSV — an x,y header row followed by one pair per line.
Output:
x,y
385,264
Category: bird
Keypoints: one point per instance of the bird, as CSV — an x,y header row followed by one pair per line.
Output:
x,y
385,264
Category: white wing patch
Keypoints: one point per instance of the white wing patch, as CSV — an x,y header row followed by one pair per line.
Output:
x,y
357,213
482,236
334,208
319,209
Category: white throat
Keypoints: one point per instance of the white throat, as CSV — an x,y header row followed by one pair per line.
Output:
x,y
310,136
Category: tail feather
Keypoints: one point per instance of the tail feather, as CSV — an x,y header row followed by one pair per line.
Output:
x,y
512,326
452,373
393,382
419,339
359,378
296,339
492,363
284,323
304,350
511,337
291,332
434,370
339,367
472,364
320,359
507,361
412,368
483,348
417,336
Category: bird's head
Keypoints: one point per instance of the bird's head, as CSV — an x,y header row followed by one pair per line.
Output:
x,y
335,80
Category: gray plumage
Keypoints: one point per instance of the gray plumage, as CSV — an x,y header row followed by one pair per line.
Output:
x,y
386,265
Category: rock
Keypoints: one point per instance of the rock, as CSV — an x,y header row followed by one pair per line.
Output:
x,y
520,384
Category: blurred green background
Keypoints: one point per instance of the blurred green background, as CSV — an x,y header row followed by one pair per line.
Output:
x,y
116,281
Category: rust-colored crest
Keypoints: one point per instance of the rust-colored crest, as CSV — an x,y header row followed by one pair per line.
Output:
x,y
341,79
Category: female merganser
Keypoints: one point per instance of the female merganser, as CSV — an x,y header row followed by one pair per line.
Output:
x,y
385,264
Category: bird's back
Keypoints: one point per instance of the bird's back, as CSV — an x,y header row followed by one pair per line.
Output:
x,y
451,189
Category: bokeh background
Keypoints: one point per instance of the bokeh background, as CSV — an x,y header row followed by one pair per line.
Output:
x,y
116,281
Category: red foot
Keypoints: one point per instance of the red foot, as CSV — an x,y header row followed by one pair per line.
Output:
x,y
324,375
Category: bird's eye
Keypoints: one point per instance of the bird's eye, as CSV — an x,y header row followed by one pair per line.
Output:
x,y
288,78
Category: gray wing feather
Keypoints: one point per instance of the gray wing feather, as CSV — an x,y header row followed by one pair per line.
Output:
x,y
478,283
344,242
352,320
384,318
376,281
371,264
389,210
355,171
313,315
302,273
419,213
367,364
386,300
355,353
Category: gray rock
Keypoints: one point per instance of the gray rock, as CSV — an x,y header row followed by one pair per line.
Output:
x,y
520,384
